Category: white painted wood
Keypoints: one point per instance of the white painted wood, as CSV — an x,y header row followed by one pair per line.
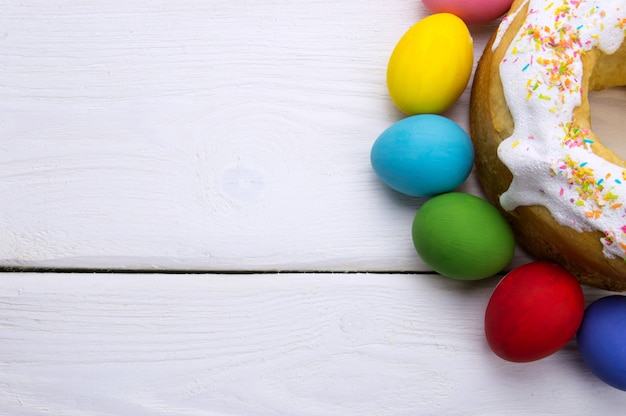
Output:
x,y
305,344
201,134
227,136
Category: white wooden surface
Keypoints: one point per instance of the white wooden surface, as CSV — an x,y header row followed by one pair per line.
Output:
x,y
227,137
349,344
201,134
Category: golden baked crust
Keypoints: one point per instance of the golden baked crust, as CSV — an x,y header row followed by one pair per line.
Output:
x,y
534,227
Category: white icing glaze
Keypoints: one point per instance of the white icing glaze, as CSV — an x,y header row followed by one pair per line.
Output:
x,y
504,25
551,159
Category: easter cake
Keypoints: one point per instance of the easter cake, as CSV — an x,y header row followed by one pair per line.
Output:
x,y
537,158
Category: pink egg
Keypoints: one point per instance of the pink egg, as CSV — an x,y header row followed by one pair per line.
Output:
x,y
471,11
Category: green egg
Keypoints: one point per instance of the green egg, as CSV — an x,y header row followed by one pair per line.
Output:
x,y
462,236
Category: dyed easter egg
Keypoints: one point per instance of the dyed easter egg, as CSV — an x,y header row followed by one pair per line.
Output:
x,y
602,340
431,65
423,155
533,312
471,11
462,236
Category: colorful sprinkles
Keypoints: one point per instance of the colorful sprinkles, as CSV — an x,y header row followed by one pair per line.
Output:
x,y
547,54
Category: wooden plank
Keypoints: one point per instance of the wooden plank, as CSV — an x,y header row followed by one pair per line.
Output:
x,y
304,344
201,135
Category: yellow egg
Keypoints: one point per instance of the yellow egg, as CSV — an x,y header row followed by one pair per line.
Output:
x,y
431,65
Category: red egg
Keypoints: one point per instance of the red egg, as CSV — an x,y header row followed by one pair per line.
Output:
x,y
533,312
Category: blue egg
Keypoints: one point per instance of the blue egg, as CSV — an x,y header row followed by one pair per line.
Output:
x,y
423,155
602,340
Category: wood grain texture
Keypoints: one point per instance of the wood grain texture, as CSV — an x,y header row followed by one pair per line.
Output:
x,y
201,135
305,344
223,136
